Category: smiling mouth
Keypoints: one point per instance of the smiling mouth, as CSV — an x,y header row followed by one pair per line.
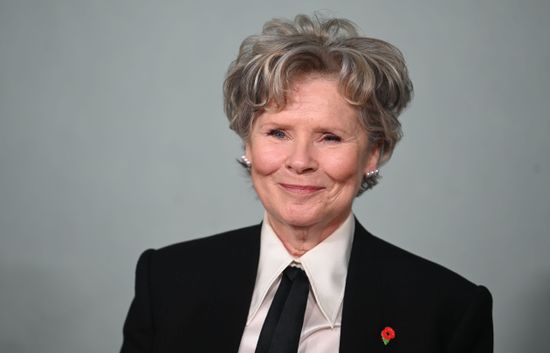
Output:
x,y
301,189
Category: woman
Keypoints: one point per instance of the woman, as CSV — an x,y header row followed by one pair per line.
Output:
x,y
316,106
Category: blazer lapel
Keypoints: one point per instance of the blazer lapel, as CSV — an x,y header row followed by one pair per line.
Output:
x,y
363,298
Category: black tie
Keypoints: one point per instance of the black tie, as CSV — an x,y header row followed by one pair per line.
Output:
x,y
283,323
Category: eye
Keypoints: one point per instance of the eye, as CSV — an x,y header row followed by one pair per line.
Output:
x,y
331,138
278,134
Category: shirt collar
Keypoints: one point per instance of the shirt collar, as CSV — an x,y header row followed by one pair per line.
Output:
x,y
325,265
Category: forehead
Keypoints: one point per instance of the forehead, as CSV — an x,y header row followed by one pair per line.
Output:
x,y
315,99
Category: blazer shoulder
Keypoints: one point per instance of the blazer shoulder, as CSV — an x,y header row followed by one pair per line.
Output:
x,y
216,241
408,269
184,290
209,251
415,265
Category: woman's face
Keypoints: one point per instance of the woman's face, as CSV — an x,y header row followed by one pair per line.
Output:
x,y
308,159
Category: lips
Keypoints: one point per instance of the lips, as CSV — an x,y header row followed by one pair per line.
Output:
x,y
301,189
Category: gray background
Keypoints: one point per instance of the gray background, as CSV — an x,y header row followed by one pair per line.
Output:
x,y
113,140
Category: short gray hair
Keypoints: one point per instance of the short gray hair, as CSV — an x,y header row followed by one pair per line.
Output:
x,y
372,75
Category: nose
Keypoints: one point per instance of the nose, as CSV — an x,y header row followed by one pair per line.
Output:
x,y
301,158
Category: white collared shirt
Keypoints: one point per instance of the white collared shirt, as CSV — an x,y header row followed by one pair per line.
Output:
x,y
326,266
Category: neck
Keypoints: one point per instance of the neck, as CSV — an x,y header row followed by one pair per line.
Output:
x,y
300,239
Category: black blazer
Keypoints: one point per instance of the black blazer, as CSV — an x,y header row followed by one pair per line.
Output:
x,y
194,297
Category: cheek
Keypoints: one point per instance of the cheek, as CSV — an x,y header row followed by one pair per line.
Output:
x,y
266,159
344,168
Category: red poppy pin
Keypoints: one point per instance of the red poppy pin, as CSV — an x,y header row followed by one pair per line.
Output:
x,y
387,334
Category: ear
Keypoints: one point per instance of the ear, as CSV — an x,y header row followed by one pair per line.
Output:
x,y
247,151
373,158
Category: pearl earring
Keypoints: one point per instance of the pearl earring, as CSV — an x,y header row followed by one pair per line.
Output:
x,y
244,161
373,173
